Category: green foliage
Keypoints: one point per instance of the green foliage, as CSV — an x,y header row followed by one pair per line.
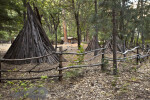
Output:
x,y
72,73
106,62
132,20
80,58
4,35
17,86
134,69
133,78
10,18
124,87
44,77
114,82
147,41
10,83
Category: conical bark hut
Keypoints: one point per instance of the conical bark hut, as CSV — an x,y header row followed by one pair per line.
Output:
x,y
31,41
93,44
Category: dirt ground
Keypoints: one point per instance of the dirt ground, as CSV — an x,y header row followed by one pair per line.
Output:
x,y
131,83
5,47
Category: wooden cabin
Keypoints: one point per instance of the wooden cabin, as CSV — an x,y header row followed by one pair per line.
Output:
x,y
70,40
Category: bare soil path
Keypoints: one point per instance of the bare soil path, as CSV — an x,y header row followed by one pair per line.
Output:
x,y
95,85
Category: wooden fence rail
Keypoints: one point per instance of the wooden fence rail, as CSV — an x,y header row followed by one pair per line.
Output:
x,y
3,60
80,66
33,78
23,71
60,64
85,60
130,50
74,53
138,56
0,72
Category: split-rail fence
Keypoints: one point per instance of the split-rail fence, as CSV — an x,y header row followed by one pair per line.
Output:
x,y
60,68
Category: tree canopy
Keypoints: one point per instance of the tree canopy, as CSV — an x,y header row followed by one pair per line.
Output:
x,y
132,18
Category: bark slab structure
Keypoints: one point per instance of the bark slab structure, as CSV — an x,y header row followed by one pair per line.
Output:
x,y
31,41
93,44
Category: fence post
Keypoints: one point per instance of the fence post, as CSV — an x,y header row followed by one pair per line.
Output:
x,y
102,60
124,55
0,72
137,59
147,51
60,64
148,55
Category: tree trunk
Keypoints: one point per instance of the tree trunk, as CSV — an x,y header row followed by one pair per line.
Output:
x,y
122,29
76,13
65,32
56,40
114,42
143,41
87,35
132,38
64,28
78,28
96,30
56,22
137,40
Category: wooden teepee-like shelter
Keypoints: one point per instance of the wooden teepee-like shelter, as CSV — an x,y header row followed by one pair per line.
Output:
x,y
93,44
31,41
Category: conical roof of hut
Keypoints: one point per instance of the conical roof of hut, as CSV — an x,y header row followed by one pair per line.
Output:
x,y
92,45
31,41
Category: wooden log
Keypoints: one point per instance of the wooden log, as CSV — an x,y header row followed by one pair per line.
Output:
x,y
102,60
0,72
130,50
74,53
80,66
148,52
23,71
33,78
114,33
28,58
60,64
124,46
137,59
31,41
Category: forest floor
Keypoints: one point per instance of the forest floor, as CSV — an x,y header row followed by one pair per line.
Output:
x,y
131,83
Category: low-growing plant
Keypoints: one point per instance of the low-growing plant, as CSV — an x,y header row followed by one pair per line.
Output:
x,y
105,64
80,58
124,87
133,79
25,86
73,73
78,61
134,69
114,82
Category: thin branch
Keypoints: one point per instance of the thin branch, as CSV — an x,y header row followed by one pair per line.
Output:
x,y
23,71
53,52
80,66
